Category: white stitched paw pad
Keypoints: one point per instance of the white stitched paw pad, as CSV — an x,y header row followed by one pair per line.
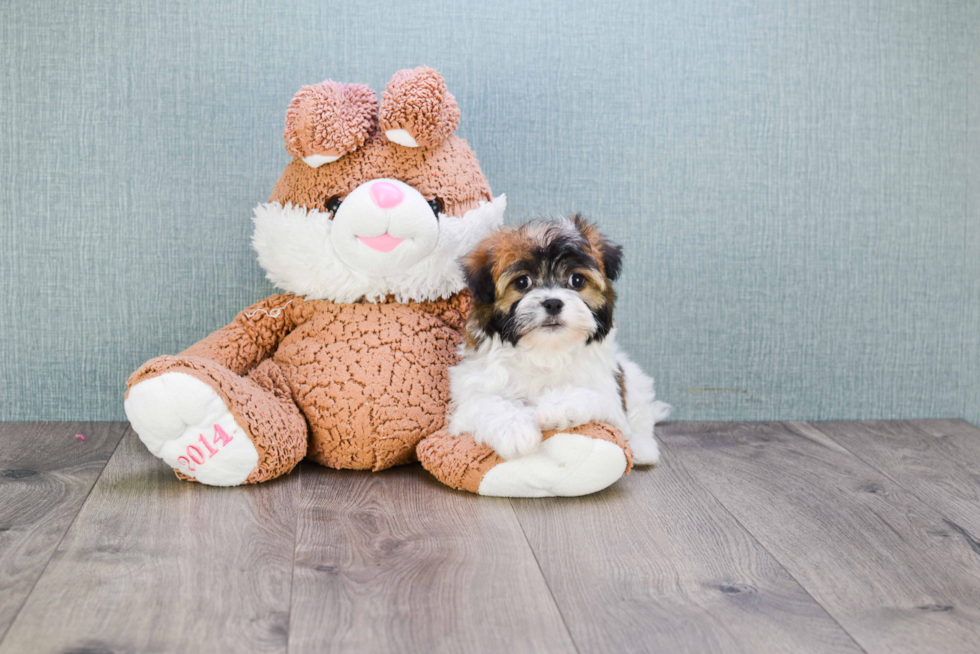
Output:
x,y
566,465
183,421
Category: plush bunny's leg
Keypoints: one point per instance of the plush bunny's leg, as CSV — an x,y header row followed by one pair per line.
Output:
x,y
569,463
214,426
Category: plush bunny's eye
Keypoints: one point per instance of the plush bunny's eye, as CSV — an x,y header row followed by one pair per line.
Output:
x,y
577,280
522,283
436,205
333,204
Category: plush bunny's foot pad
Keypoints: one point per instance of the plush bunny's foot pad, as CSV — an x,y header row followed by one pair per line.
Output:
x,y
213,426
184,422
569,463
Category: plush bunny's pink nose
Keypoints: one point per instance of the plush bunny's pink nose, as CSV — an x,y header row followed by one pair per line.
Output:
x,y
386,195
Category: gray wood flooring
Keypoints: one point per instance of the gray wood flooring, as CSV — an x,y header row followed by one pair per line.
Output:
x,y
749,537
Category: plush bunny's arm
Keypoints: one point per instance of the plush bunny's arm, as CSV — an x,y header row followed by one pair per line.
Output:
x,y
452,310
252,336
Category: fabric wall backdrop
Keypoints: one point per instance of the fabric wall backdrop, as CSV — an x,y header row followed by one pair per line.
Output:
x,y
795,182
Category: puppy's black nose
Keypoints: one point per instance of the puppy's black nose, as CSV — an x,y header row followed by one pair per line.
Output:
x,y
553,306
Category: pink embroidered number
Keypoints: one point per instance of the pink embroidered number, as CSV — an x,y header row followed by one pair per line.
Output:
x,y
220,435
194,453
204,442
199,459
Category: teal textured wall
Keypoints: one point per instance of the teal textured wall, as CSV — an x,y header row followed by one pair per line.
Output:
x,y
796,182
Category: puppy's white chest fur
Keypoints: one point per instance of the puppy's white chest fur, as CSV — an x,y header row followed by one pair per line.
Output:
x,y
530,374
505,395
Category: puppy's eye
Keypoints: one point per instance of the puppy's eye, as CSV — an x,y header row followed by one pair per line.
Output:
x,y
436,205
522,283
577,280
333,204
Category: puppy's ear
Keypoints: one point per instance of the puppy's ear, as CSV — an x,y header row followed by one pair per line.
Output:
x,y
612,259
610,253
478,270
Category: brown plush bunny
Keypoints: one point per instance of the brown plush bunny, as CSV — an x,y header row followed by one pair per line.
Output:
x,y
348,367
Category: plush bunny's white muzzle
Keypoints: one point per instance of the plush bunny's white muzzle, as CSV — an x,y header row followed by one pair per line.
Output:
x,y
384,226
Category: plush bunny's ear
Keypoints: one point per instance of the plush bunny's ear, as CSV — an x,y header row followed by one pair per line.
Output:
x,y
328,120
417,110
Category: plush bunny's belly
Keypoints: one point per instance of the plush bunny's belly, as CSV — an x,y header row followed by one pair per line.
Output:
x,y
371,379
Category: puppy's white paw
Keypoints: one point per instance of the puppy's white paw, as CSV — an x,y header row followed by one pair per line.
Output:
x,y
515,437
646,452
561,414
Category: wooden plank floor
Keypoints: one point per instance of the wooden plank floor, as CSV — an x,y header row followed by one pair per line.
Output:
x,y
46,472
749,537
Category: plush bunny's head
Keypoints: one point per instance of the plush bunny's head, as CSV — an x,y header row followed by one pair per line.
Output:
x,y
377,201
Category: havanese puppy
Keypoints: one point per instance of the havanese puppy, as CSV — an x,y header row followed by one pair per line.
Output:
x,y
540,350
